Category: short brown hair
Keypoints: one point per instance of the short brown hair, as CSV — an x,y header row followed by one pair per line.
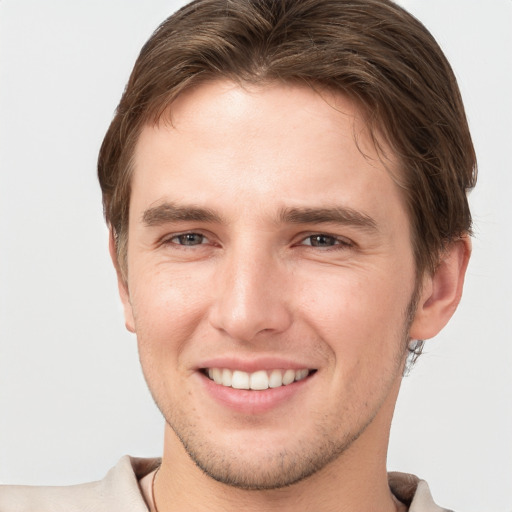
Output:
x,y
370,50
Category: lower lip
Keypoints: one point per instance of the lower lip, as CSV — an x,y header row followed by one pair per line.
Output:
x,y
253,402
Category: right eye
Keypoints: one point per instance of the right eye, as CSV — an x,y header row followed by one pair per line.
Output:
x,y
188,239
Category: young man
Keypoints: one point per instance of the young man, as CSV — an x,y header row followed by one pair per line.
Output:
x,y
285,183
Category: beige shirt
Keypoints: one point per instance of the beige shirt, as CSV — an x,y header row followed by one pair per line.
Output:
x,y
119,492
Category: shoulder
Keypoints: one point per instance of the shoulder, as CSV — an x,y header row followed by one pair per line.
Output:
x,y
413,492
118,491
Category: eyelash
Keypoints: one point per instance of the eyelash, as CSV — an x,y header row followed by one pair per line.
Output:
x,y
169,241
337,242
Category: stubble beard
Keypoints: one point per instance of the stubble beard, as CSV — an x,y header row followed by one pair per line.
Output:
x,y
287,466
274,471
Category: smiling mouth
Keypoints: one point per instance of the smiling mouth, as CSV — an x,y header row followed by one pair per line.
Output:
x,y
257,381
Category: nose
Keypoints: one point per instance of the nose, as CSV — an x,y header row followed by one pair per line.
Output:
x,y
251,296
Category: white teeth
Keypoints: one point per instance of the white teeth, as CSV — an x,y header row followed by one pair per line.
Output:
x,y
288,377
217,376
258,380
227,377
240,380
301,374
276,379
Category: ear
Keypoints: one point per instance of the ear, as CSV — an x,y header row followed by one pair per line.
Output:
x,y
441,291
122,285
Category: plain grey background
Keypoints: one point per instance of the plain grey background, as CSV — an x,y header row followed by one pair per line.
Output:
x,y
72,398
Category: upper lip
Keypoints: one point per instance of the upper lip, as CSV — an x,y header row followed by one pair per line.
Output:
x,y
254,364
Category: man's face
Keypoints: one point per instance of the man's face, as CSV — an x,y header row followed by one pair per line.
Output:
x,y
267,246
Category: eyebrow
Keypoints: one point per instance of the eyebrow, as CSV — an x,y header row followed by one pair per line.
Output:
x,y
170,212
334,215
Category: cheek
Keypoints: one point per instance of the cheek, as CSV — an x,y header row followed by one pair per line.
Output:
x,y
167,308
168,311
360,316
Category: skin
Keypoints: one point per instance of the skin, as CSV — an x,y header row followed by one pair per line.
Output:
x,y
248,285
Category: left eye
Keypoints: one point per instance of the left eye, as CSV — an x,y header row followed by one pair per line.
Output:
x,y
188,239
321,240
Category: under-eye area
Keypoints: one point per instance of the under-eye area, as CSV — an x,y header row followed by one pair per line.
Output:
x,y
257,381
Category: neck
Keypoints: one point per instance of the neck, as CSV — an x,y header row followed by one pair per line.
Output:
x,y
344,485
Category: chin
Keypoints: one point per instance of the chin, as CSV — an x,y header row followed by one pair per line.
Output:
x,y
259,463
275,471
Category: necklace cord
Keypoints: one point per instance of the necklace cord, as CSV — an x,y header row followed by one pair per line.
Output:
x,y
153,490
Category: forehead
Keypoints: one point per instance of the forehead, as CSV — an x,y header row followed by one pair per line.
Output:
x,y
259,107
281,142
